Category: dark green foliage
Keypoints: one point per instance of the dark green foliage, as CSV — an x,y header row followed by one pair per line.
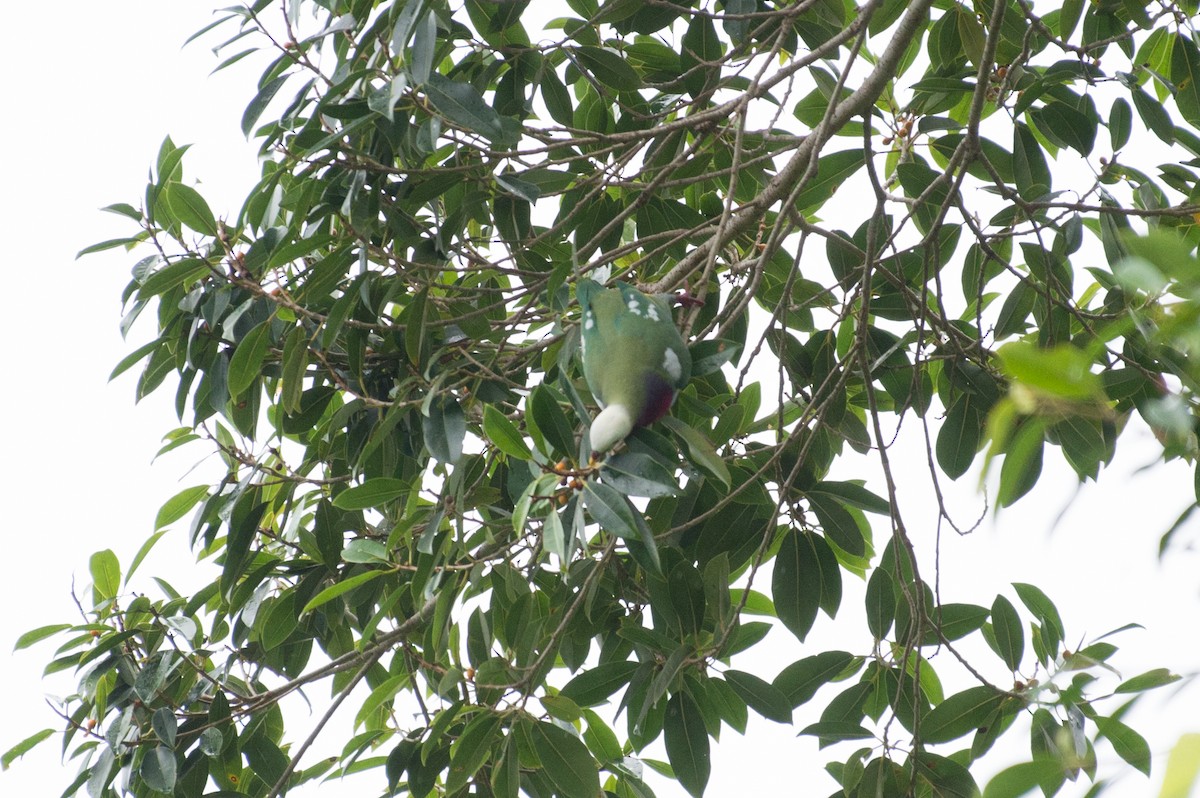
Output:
x,y
381,345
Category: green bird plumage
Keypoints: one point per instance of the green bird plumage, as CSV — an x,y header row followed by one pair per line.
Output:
x,y
634,359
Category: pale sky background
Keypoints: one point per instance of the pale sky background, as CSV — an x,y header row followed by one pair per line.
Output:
x,y
89,97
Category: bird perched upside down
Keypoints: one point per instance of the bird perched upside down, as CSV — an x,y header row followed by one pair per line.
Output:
x,y
634,359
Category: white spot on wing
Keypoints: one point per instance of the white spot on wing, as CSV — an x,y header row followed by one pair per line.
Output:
x,y
652,311
671,365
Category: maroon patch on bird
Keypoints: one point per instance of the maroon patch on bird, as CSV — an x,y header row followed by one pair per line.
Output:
x,y
659,397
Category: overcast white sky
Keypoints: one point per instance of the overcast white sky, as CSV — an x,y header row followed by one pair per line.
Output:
x,y
90,91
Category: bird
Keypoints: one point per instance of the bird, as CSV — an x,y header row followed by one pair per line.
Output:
x,y
634,360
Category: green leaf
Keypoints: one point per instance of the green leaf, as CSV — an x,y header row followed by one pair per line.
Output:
x,y
800,681
111,243
1038,603
1128,744
881,603
833,731
1066,126
839,524
833,171
158,769
25,746
190,208
464,106
557,98
959,438
546,416
1185,74
445,428
1018,780
608,68
561,707
344,586
259,104
797,596
372,493
181,272
1183,767
365,551
165,726
1120,123
37,635
594,685
763,697
955,621
1014,313
1029,163
106,575
1147,681
700,450
961,714
1153,114
295,362
1008,632
686,742
179,505
1063,371
246,364
504,434
566,762
471,750
638,474
610,509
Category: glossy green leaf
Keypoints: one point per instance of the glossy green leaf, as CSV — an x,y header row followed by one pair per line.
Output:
x,y
960,436
961,714
1029,164
763,697
1038,603
1185,74
372,493
801,680
687,743
25,746
463,105
700,450
190,208
1021,779
106,575
246,364
881,603
343,586
547,419
1120,123
255,109
567,763
445,428
1008,632
472,750
1128,744
182,272
638,474
1158,677
158,769
1153,115
504,434
832,171
609,68
796,595
594,685
179,505
1066,126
